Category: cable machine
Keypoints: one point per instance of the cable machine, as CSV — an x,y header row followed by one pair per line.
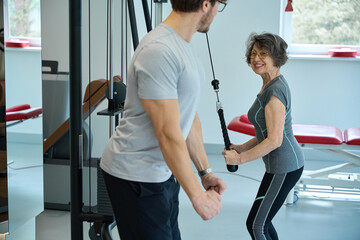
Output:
x,y
219,109
103,224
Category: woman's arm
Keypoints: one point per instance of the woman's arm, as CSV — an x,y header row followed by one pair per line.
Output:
x,y
245,146
275,119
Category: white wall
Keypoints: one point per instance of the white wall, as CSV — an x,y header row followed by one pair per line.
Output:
x,y
238,85
323,92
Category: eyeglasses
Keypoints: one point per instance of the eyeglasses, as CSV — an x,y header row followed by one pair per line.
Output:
x,y
221,6
261,54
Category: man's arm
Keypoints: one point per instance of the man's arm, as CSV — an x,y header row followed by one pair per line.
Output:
x,y
195,146
165,116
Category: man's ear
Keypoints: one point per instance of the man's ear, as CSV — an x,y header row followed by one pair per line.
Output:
x,y
205,6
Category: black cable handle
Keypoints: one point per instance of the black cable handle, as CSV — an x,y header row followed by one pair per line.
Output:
x,y
220,111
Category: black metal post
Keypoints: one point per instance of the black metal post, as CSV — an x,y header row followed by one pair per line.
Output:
x,y
147,15
132,17
75,119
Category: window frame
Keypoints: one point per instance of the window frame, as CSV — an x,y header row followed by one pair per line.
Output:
x,y
303,49
34,41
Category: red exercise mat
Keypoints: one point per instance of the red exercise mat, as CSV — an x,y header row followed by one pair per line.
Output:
x,y
314,134
342,52
23,114
17,43
352,136
18,108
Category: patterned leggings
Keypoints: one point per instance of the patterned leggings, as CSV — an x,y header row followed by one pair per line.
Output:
x,y
272,194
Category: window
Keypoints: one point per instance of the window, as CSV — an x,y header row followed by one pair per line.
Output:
x,y
24,20
315,26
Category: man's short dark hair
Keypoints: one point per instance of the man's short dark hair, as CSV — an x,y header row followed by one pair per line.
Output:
x,y
189,5
271,42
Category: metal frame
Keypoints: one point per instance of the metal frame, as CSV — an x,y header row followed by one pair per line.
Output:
x,y
332,179
103,224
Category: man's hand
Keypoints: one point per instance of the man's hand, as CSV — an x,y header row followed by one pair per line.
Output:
x,y
210,181
208,204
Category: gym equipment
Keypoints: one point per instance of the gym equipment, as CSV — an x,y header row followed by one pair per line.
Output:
x,y
342,52
20,113
95,97
327,139
102,223
17,43
220,111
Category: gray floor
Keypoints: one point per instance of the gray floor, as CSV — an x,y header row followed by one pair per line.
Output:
x,y
309,218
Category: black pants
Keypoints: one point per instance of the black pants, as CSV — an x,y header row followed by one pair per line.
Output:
x,y
145,210
272,193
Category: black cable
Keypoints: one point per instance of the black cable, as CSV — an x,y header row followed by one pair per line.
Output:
x,y
107,43
220,111
89,142
126,40
211,61
111,100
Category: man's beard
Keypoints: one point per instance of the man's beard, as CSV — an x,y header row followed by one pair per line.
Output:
x,y
204,23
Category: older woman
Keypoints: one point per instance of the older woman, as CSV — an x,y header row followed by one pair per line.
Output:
x,y
274,141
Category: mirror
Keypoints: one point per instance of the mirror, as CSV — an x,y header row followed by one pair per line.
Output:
x,y
3,159
21,158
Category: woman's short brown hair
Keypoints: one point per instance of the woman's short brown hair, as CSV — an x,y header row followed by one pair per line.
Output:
x,y
189,5
271,42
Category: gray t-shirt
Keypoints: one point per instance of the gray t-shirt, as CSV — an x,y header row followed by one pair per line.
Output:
x,y
289,156
164,66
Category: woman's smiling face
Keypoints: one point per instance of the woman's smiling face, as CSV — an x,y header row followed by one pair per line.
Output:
x,y
261,61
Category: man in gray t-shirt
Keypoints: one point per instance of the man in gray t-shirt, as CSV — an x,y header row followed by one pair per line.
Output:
x,y
149,154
